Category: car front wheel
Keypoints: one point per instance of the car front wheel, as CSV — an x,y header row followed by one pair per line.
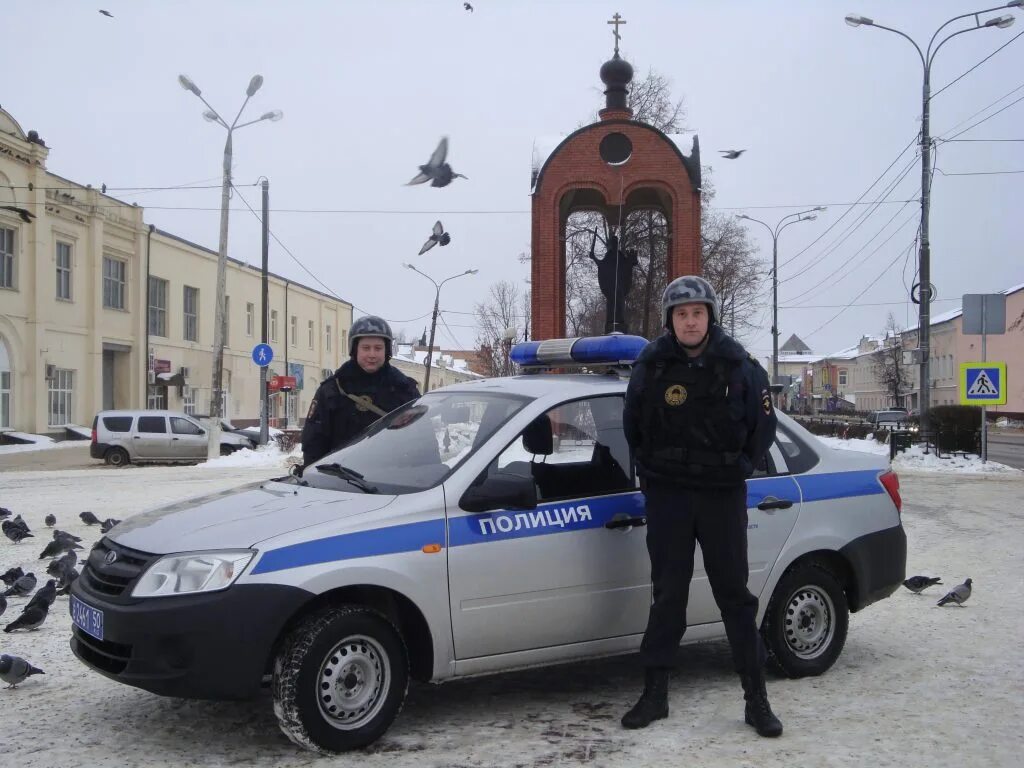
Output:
x,y
805,625
340,679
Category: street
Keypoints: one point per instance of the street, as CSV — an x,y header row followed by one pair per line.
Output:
x,y
915,685
1006,448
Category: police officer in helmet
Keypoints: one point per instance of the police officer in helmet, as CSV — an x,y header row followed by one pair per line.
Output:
x,y
362,390
699,419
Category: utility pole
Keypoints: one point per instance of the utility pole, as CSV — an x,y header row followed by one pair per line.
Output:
x,y
264,315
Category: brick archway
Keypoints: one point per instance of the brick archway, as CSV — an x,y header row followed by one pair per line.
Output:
x,y
575,177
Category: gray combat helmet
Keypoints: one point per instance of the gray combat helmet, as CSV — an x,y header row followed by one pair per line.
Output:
x,y
689,289
371,325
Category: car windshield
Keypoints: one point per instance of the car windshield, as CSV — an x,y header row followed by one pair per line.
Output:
x,y
892,415
418,445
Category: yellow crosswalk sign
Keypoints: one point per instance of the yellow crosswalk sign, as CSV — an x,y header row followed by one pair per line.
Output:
x,y
983,383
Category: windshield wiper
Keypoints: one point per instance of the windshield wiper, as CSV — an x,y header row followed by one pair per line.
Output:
x,y
349,475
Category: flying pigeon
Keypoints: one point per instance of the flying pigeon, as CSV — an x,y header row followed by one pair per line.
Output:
x,y
917,584
107,13
44,596
107,524
14,670
731,154
468,7
437,171
22,586
31,618
26,216
89,518
438,236
957,594
11,575
50,520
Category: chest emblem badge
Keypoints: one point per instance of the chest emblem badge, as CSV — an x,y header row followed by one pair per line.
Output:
x,y
675,395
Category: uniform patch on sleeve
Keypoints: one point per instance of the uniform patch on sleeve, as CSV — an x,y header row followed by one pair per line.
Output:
x,y
766,401
312,410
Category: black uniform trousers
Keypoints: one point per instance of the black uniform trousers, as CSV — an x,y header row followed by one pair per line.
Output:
x,y
677,518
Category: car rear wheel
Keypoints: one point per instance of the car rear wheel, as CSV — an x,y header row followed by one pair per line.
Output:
x,y
805,625
340,679
117,457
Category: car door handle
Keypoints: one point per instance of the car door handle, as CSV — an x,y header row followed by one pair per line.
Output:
x,y
625,522
175,438
770,503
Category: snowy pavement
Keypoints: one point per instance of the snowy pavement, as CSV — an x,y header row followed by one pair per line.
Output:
x,y
916,685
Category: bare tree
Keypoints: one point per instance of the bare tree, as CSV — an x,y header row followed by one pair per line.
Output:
x,y
888,364
498,319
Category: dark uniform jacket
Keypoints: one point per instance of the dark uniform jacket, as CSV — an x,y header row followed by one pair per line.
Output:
x,y
701,422
334,418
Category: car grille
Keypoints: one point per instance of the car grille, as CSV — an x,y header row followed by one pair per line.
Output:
x,y
115,579
102,654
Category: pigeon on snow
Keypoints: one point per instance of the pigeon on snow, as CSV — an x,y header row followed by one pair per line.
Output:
x,y
58,547
957,594
5,513
44,596
14,670
3,605
438,236
51,520
62,565
731,154
22,586
436,170
11,575
67,579
917,584
31,618
89,518
107,524
59,534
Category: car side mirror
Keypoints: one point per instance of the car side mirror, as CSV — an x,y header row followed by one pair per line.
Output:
x,y
500,491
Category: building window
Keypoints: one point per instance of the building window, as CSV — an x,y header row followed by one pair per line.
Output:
x,y
250,317
113,283
188,400
309,333
5,398
156,400
157,306
6,257
273,325
59,398
295,330
842,377
64,271
190,306
327,338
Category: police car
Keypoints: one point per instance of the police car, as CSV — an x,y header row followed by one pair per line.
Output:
x,y
485,527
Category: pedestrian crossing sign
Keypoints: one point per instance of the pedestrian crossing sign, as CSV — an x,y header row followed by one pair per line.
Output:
x,y
983,383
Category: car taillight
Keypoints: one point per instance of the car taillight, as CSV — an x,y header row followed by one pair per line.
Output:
x,y
94,434
891,482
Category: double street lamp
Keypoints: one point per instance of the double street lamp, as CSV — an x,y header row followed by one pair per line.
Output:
x,y
433,321
785,221
211,115
924,279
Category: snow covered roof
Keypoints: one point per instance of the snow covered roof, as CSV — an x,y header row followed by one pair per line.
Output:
x,y
439,360
850,353
791,358
939,319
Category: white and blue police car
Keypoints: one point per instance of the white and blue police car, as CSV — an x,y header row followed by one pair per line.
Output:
x,y
485,527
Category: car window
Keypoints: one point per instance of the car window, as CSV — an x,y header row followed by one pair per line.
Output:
x,y
418,445
117,423
180,426
152,424
576,449
798,454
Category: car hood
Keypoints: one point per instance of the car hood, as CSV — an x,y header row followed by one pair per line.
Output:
x,y
240,517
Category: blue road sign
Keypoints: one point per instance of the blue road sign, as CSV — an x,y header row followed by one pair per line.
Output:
x,y
262,354
983,383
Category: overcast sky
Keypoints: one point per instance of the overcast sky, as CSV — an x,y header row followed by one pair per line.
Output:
x,y
367,89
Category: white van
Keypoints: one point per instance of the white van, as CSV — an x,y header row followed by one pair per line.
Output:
x,y
122,437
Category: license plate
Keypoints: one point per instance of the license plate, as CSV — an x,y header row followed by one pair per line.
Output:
x,y
87,618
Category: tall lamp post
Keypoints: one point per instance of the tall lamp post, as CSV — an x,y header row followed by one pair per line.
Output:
x,y
211,115
433,321
925,286
785,221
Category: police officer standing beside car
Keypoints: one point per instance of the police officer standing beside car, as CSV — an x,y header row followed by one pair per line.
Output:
x,y
362,390
699,419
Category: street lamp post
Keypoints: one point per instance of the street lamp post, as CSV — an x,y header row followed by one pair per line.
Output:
x,y
211,115
924,280
433,321
808,215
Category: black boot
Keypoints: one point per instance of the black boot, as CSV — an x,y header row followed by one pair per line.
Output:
x,y
758,711
653,703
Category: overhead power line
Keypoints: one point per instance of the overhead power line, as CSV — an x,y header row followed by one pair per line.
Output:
x,y
946,137
957,79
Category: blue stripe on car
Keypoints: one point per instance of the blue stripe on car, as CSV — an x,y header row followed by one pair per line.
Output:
x,y
472,529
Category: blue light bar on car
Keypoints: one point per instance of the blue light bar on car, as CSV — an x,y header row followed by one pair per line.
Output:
x,y
614,349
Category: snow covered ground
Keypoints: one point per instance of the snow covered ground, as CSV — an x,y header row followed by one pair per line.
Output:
x,y
35,443
916,685
914,459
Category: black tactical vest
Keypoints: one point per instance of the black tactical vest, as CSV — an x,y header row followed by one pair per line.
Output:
x,y
690,433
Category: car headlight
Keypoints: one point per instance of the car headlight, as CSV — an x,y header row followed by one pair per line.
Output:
x,y
192,573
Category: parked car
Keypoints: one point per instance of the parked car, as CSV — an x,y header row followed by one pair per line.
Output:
x,y
123,437
892,419
457,536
